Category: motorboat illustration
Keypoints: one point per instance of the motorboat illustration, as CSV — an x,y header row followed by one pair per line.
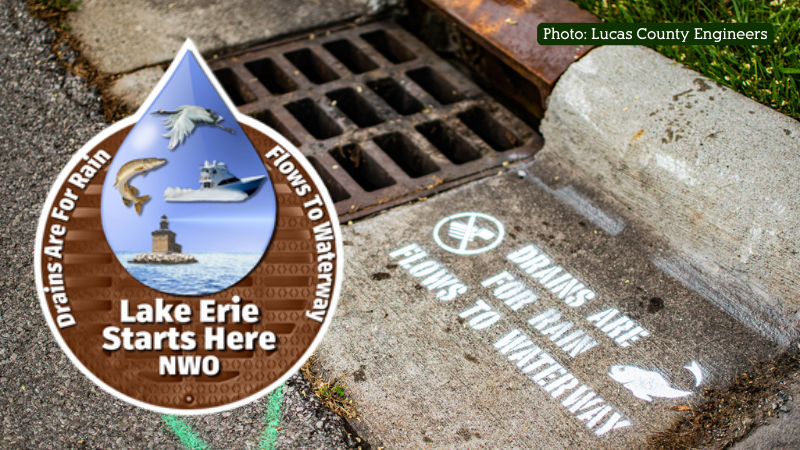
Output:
x,y
217,184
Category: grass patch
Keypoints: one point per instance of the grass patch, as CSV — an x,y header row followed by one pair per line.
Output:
x,y
768,74
331,393
59,5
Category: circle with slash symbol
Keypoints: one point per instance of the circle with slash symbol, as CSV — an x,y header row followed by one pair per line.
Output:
x,y
468,233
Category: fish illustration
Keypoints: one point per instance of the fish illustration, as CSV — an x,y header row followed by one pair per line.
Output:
x,y
696,370
130,170
182,121
644,384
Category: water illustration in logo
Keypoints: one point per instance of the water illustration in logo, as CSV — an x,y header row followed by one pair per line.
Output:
x,y
187,206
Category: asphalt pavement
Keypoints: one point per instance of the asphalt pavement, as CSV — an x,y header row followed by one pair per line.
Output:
x,y
46,115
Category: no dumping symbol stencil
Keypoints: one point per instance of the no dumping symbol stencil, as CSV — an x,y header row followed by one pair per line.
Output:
x,y
188,258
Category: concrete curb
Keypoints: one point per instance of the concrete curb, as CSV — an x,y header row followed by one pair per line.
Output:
x,y
711,170
124,36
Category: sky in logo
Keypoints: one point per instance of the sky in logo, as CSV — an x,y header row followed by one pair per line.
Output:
x,y
245,226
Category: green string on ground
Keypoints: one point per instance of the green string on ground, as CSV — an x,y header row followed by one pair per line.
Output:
x,y
272,420
184,432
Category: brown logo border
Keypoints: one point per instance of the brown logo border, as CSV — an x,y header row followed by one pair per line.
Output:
x,y
252,128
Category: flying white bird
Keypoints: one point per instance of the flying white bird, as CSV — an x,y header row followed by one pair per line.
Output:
x,y
182,121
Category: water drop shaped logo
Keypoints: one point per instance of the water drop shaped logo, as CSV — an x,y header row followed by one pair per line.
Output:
x,y
188,207
188,258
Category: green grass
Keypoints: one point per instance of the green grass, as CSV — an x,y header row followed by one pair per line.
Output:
x,y
60,5
768,74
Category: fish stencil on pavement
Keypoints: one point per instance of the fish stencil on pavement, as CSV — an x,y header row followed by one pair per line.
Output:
x,y
645,384
559,335
697,371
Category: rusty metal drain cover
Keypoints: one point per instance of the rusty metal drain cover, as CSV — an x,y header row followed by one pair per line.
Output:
x,y
383,119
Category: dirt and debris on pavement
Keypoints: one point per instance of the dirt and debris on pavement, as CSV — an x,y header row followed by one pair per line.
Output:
x,y
330,392
759,396
67,50
308,423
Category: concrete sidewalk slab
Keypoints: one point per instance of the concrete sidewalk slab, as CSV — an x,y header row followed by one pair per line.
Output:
x,y
133,88
710,169
503,315
123,36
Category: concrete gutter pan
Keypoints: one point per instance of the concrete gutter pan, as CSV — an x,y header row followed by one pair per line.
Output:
x,y
514,314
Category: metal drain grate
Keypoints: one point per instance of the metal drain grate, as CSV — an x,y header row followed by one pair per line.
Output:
x,y
382,118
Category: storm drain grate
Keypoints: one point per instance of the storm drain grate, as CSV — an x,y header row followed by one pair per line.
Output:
x,y
382,118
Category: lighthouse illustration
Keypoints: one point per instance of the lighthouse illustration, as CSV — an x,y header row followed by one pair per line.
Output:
x,y
164,239
165,249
